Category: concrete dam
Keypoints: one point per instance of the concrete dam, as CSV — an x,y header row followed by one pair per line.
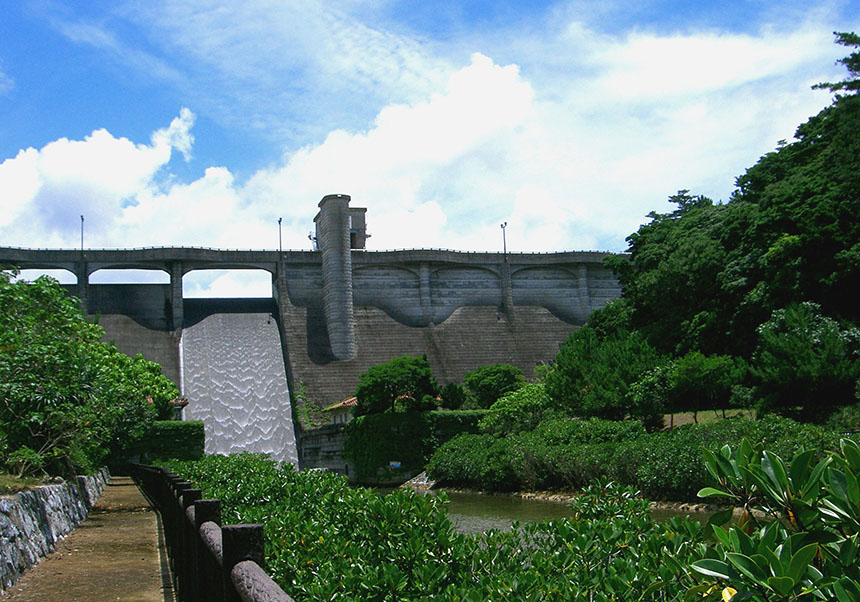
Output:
x,y
335,312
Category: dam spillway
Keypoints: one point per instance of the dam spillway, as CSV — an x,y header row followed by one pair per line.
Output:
x,y
233,374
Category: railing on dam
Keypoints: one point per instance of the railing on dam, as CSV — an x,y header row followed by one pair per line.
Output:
x,y
208,562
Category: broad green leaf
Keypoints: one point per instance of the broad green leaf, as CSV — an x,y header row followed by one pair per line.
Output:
x,y
838,484
747,566
801,560
713,568
781,585
851,451
713,492
799,470
775,469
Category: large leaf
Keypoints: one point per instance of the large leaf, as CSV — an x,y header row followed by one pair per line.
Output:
x,y
800,561
748,567
713,568
713,492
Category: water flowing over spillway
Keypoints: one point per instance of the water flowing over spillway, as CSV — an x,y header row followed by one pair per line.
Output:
x,y
233,376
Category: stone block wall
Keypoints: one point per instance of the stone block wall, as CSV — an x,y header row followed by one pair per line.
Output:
x,y
32,522
323,448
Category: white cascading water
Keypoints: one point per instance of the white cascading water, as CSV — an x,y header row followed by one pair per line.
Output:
x,y
233,376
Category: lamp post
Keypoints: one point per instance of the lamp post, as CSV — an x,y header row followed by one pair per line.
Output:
x,y
82,234
504,242
280,244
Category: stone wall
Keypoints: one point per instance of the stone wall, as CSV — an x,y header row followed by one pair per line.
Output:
x,y
32,522
323,448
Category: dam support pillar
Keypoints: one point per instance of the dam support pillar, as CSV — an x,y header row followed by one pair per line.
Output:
x,y
333,240
507,293
177,309
83,274
425,294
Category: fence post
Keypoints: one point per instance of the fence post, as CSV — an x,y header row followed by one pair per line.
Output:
x,y
179,554
238,543
207,563
188,579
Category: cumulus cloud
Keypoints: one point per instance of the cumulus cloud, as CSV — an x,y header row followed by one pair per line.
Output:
x,y
570,160
47,189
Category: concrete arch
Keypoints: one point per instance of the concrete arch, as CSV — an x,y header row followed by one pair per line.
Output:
x,y
61,275
395,289
560,289
463,285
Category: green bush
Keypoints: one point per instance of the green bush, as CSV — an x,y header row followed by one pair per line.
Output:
x,y
568,454
487,384
516,411
170,440
327,541
452,396
593,373
69,400
805,359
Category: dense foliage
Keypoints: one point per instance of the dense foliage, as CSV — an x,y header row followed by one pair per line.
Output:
x,y
67,400
804,543
520,410
407,380
327,541
593,372
807,359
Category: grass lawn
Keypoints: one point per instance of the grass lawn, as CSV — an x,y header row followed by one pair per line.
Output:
x,y
705,417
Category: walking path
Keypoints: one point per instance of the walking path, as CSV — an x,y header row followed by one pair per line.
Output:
x,y
116,554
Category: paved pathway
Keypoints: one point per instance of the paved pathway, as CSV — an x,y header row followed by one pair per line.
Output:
x,y
113,555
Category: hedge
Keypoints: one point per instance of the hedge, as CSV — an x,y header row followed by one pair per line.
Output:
x,y
169,439
664,466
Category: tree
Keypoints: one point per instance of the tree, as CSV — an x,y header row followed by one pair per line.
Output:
x,y
488,383
453,396
704,276
805,359
67,400
406,376
592,375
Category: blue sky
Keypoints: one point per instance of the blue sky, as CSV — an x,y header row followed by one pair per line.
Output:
x,y
201,123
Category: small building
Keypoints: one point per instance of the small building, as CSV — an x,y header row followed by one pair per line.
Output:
x,y
341,412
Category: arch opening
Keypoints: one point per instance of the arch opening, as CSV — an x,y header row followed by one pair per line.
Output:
x,y
62,276
227,284
129,276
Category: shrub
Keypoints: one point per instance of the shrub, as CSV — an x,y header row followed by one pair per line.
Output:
x,y
374,441
67,397
516,411
453,396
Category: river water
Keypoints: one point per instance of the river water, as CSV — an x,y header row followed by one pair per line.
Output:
x,y
476,512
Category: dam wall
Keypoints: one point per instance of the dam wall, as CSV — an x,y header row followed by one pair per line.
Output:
x,y
340,309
